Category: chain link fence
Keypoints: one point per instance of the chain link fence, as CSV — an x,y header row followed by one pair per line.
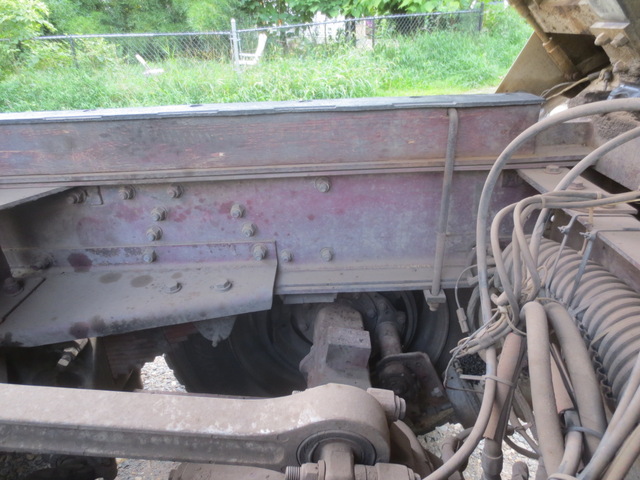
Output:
x,y
153,49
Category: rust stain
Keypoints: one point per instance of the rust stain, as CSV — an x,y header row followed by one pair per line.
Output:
x,y
79,330
80,262
141,281
110,277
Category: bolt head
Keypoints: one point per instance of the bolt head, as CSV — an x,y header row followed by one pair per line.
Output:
x,y
286,256
154,234
173,287
259,252
158,214
175,191
249,229
620,40
322,184
552,169
602,39
149,256
76,196
222,285
126,193
577,185
237,211
326,254
12,286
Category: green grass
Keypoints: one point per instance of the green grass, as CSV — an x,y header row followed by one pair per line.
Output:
x,y
432,63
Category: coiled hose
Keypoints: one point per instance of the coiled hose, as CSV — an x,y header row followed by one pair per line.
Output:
x,y
606,310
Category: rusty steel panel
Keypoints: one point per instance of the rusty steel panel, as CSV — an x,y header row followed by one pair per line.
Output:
x,y
288,138
366,232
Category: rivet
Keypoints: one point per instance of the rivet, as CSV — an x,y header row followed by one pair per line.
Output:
x,y
326,254
126,192
154,233
552,169
173,287
159,214
249,229
322,184
259,252
222,285
12,286
76,196
286,256
237,210
149,256
175,191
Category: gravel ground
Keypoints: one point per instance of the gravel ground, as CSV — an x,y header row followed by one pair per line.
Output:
x,y
156,376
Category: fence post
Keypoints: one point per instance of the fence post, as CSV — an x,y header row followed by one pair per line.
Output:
x,y
480,16
234,43
72,44
373,34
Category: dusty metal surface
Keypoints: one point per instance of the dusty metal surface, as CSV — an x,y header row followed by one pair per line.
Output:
x,y
272,433
340,351
236,141
135,257
615,229
116,300
546,179
10,197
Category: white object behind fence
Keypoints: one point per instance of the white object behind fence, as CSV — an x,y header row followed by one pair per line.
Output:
x,y
254,58
148,71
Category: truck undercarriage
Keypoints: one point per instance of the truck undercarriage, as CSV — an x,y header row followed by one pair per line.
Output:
x,y
331,278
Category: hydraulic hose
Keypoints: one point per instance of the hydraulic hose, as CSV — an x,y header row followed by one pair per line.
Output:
x,y
597,108
544,403
583,378
509,367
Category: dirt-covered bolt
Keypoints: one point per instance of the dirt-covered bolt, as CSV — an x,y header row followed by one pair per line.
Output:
x,y
237,211
620,40
286,256
159,214
552,169
259,252
175,191
222,285
173,287
149,256
126,192
248,229
326,254
42,263
12,286
602,39
322,184
154,234
76,196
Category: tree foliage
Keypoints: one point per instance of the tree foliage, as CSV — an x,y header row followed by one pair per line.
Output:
x,y
23,19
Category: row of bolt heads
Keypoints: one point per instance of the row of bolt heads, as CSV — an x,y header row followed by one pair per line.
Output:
x,y
128,192
258,251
